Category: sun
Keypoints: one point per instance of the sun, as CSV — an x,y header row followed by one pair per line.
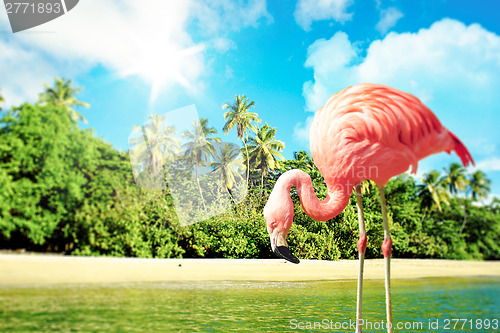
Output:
x,y
162,64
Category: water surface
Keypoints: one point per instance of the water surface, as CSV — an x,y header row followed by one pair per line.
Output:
x,y
318,306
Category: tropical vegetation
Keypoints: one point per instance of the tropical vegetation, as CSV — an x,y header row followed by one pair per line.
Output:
x,y
238,115
64,190
63,93
264,151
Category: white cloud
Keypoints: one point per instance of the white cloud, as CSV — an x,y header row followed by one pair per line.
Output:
x,y
301,132
17,83
490,164
152,40
308,11
331,60
219,15
449,59
388,19
223,45
453,68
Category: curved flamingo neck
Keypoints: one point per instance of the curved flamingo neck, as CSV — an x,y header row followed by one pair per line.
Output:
x,y
336,199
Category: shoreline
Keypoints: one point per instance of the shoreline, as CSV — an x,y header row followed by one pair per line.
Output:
x,y
30,269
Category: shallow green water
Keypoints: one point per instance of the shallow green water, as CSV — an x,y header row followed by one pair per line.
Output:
x,y
248,306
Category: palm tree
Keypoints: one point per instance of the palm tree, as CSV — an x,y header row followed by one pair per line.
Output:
x,y
63,93
456,181
226,164
495,205
304,161
479,185
431,193
455,178
1,101
239,116
200,146
264,149
156,145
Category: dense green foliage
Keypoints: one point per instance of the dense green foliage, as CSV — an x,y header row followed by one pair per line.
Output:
x,y
62,189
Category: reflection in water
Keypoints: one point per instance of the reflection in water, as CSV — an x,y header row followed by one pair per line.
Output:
x,y
240,306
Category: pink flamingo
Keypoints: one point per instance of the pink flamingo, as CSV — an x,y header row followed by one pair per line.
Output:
x,y
367,131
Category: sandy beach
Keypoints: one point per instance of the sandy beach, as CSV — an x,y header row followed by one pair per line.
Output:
x,y
27,269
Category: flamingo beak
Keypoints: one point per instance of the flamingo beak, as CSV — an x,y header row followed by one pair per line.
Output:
x,y
280,248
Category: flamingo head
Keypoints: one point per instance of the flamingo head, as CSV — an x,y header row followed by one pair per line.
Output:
x,y
279,218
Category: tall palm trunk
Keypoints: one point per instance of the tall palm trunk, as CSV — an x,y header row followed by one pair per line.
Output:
x,y
248,161
152,169
230,196
465,217
422,220
262,169
199,188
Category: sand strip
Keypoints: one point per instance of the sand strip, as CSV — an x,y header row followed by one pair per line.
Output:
x,y
25,269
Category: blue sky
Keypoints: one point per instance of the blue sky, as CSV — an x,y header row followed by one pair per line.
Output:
x,y
134,58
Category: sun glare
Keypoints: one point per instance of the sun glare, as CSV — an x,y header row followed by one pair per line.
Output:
x,y
162,64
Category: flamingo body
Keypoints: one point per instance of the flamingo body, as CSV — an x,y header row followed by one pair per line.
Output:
x,y
371,131
367,131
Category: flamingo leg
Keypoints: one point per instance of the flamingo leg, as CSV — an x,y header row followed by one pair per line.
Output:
x,y
386,249
361,252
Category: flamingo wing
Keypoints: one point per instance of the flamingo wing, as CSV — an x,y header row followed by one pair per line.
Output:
x,y
375,126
